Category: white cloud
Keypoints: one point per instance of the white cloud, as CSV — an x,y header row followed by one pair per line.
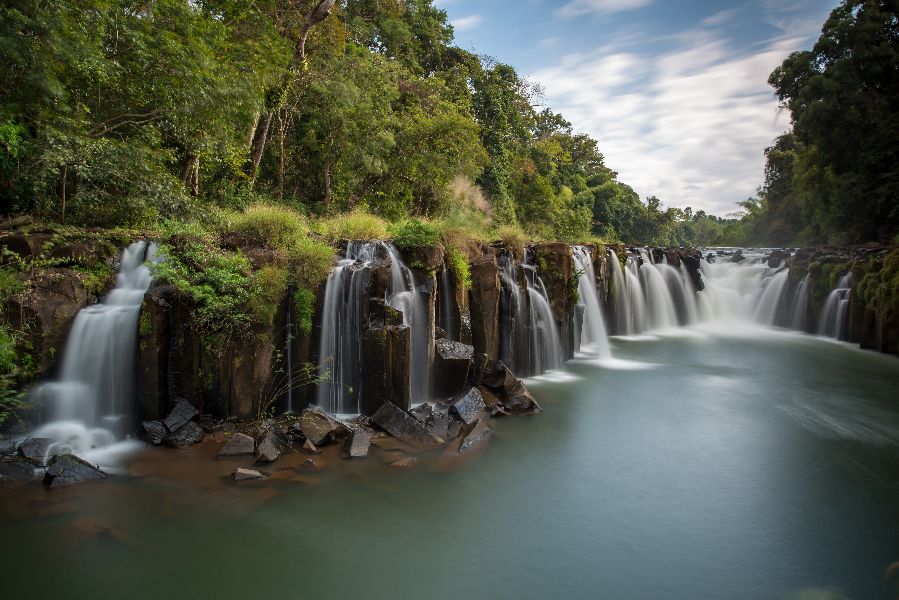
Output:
x,y
576,8
689,125
466,23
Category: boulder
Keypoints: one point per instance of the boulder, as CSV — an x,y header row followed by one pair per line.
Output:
x,y
35,449
422,412
17,470
358,443
776,258
439,424
181,413
68,469
468,407
737,257
404,426
453,363
246,475
318,427
187,435
309,447
519,400
479,434
154,432
238,444
497,376
453,430
269,446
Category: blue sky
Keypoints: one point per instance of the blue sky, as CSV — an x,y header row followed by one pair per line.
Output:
x,y
675,92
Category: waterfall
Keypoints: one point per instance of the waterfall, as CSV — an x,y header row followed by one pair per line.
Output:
x,y
635,297
622,305
593,329
769,298
799,312
834,318
515,347
340,347
90,405
546,349
658,298
444,297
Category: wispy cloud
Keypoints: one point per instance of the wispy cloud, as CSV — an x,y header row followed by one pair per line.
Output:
x,y
688,125
576,8
466,23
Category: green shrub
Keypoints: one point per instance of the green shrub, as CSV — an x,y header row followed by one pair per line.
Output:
x,y
310,262
269,225
269,291
10,397
514,237
458,265
414,232
304,303
357,224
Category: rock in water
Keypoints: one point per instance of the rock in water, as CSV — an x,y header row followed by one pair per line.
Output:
x,y
154,432
35,449
309,447
189,434
453,363
497,376
68,469
477,436
269,447
519,400
422,412
181,413
17,470
358,443
403,426
246,475
469,407
237,445
737,257
318,427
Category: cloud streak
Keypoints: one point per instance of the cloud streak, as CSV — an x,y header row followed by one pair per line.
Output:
x,y
466,23
689,125
576,8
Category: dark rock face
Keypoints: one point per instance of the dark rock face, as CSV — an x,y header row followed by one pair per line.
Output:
x,y
67,469
479,435
17,470
556,267
386,368
269,446
187,435
154,432
499,385
497,375
484,309
737,257
35,449
318,427
691,260
427,258
776,257
358,443
246,475
180,414
238,444
468,407
403,426
453,363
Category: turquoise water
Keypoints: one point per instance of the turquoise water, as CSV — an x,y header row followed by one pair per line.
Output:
x,y
760,465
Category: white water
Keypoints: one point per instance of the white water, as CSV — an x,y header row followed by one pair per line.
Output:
x,y
89,407
593,329
799,310
836,310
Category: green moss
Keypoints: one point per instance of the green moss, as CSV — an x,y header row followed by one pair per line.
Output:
x,y
268,292
304,306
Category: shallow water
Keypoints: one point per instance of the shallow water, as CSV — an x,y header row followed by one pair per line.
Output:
x,y
762,465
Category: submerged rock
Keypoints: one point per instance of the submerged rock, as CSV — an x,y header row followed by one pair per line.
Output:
x,y
358,443
469,407
187,435
269,446
154,432
246,475
181,413
403,426
404,463
68,469
238,444
318,427
476,437
35,449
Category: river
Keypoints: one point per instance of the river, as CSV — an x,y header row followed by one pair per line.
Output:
x,y
747,464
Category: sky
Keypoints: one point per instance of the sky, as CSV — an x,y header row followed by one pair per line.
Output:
x,y
675,92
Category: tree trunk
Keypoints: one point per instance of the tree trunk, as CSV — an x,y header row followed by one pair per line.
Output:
x,y
259,146
326,200
61,190
190,175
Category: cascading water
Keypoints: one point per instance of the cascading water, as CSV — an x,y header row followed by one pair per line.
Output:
x,y
340,348
834,318
546,349
622,305
89,407
593,330
799,310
